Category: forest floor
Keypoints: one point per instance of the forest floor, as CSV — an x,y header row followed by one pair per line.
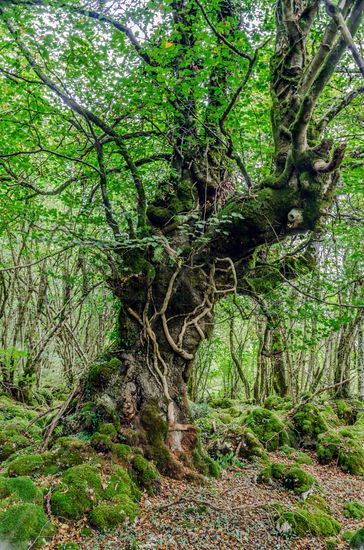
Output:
x,y
228,513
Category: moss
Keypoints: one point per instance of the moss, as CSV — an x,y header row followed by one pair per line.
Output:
x,y
287,450
19,489
206,465
78,492
309,423
269,429
101,442
107,516
293,478
100,373
121,451
67,452
156,430
315,522
351,457
11,442
344,447
345,411
327,447
250,447
25,526
68,546
28,464
120,483
303,458
298,480
278,470
106,428
146,475
221,403
275,402
353,509
357,540
317,501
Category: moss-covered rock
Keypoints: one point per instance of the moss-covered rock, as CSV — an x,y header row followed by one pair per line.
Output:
x,y
343,447
277,403
240,441
10,443
107,516
19,489
101,372
302,458
101,442
298,480
106,428
353,509
271,431
146,475
206,465
67,452
357,540
351,456
309,422
156,429
121,451
345,411
221,403
78,492
304,522
26,465
293,478
120,483
24,526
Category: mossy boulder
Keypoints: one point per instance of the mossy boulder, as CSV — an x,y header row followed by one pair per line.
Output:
x,y
309,422
107,516
121,451
155,429
293,478
106,428
345,411
101,372
343,447
78,492
304,522
240,441
277,403
101,442
221,403
299,481
10,443
271,431
353,509
146,475
357,540
67,452
25,526
120,483
19,489
26,465
302,458
206,465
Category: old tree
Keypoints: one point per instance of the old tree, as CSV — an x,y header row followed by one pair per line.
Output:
x,y
174,142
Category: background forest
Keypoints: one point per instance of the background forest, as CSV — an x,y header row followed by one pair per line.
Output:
x,y
181,274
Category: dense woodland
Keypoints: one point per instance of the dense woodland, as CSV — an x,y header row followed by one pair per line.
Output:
x,y
181,274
